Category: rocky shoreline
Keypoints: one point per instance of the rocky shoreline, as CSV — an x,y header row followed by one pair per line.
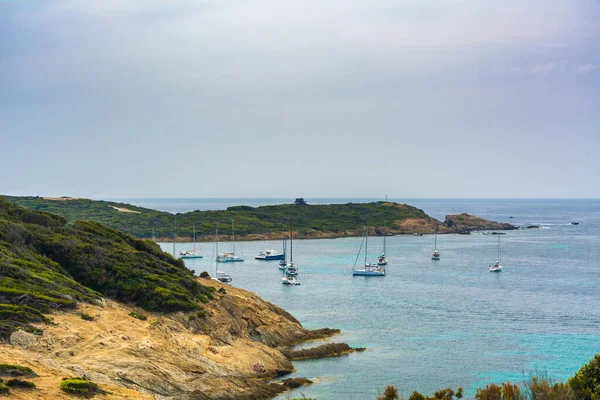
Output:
x,y
233,349
462,224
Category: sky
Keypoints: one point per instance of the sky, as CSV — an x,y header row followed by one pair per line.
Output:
x,y
327,98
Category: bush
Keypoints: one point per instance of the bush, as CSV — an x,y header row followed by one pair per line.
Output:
x,y
545,389
79,386
585,384
222,290
4,389
390,393
87,317
139,316
16,370
205,275
17,383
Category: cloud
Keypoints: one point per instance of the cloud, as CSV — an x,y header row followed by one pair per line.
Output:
x,y
584,69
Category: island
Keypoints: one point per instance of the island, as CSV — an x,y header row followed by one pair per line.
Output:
x,y
260,223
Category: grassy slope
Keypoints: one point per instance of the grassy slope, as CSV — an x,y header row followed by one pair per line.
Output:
x,y
46,264
308,219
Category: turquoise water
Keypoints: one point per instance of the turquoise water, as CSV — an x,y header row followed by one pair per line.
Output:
x,y
433,324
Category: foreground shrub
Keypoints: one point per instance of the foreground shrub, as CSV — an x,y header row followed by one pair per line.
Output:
x,y
79,386
139,316
17,383
4,389
507,391
16,370
87,317
545,389
390,393
585,384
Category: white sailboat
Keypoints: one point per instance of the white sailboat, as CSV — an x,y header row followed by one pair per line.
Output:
x,y
283,262
230,256
290,272
497,267
219,275
436,254
381,261
192,252
369,268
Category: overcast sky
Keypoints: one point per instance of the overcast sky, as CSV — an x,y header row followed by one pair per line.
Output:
x,y
300,98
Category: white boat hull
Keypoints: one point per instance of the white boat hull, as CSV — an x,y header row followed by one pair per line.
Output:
x,y
187,257
496,268
369,270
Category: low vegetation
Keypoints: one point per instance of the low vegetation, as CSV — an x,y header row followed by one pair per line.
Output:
x,y
136,315
584,385
87,317
79,386
18,383
16,371
4,390
46,265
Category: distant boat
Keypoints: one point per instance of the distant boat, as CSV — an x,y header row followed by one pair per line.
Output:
x,y
436,254
290,272
574,223
381,261
219,275
497,267
369,268
230,256
270,254
191,253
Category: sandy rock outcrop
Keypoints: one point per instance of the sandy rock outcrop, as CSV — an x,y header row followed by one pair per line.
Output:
x,y
179,356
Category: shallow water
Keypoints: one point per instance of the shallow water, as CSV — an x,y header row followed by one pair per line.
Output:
x,y
434,324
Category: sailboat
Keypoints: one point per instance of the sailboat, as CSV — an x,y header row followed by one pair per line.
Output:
x,y
381,261
436,254
497,267
290,272
369,268
191,253
220,276
230,256
283,262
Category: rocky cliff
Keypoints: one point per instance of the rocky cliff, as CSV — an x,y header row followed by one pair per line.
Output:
x,y
176,356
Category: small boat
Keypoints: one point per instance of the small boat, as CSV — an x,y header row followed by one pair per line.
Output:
x,y
270,254
223,277
381,260
219,275
290,272
497,267
191,253
289,280
230,256
574,223
436,254
369,268
283,262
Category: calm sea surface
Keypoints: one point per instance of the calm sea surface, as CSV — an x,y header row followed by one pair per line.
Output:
x,y
434,324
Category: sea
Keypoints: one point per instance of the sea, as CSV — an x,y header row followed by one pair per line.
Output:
x,y
429,324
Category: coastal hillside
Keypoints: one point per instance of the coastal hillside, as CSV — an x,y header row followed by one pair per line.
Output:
x,y
255,223
87,301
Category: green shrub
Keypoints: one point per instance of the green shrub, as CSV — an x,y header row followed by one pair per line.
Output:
x,y
191,317
544,388
4,389
585,384
17,383
16,370
139,316
79,386
87,317
390,393
222,290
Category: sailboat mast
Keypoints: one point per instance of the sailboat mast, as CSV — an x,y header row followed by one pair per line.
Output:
x,y
217,242
499,248
194,235
384,232
174,229
366,243
291,242
233,235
